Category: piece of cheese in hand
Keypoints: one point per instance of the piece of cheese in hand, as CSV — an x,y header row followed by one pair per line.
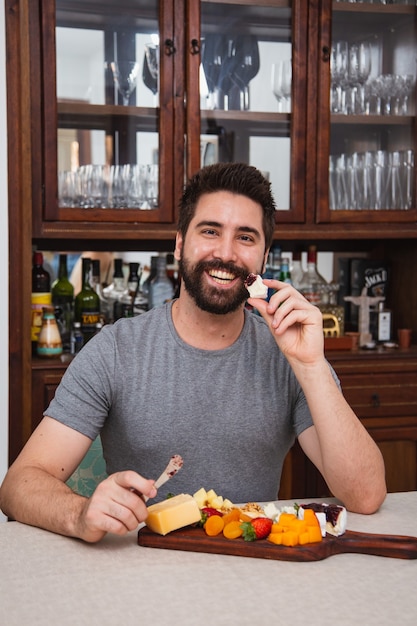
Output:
x,y
255,286
164,517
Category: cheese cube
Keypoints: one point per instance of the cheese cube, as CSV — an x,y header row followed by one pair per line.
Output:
x,y
164,517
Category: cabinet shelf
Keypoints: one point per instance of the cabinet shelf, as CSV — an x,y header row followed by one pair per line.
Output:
x,y
97,116
372,120
371,9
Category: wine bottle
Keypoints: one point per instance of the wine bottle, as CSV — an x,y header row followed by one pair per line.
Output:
x,y
87,304
63,301
41,296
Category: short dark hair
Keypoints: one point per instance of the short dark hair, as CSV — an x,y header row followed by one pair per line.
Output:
x,y
238,178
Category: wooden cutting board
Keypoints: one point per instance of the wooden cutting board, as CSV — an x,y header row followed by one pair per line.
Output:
x,y
194,539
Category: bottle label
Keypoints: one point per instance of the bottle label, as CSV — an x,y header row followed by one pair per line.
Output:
x,y
384,326
39,300
88,320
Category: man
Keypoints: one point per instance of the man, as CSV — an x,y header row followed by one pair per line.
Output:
x,y
201,377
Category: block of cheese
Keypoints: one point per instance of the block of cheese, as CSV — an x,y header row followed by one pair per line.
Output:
x,y
164,517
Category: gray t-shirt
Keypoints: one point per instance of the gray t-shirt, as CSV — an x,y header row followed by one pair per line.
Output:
x,y
232,414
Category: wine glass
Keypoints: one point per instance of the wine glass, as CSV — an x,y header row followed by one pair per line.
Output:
x,y
281,84
364,71
339,71
125,74
405,89
149,80
152,58
214,53
359,68
246,66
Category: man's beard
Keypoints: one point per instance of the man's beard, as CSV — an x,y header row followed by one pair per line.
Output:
x,y
209,298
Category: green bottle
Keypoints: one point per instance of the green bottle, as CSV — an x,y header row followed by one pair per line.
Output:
x,y
87,304
63,301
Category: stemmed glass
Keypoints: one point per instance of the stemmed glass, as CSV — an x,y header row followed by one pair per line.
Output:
x,y
125,74
281,84
246,66
339,72
150,68
406,84
358,74
150,81
214,53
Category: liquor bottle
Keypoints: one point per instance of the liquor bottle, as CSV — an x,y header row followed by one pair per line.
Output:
x,y
87,304
63,301
77,338
296,270
276,261
115,290
152,273
312,283
173,273
95,283
135,290
284,274
41,296
161,288
49,340
384,325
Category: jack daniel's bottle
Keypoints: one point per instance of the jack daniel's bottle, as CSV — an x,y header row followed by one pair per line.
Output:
x,y
87,304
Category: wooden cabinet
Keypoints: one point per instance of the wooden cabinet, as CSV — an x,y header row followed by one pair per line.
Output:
x,y
87,132
381,387
365,169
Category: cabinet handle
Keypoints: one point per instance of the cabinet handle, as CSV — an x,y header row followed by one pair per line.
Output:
x,y
375,400
169,47
325,54
195,46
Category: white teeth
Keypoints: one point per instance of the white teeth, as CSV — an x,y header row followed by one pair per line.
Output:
x,y
222,277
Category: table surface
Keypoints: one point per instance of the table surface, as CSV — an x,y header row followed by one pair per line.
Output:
x,y
46,580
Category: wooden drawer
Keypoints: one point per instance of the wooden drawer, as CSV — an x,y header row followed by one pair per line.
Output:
x,y
378,395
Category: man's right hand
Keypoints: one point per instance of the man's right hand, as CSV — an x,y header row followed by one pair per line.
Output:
x,y
116,506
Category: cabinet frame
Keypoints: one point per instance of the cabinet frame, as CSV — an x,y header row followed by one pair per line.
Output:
x,y
368,217
98,116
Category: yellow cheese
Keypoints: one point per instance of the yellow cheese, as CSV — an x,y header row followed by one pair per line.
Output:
x,y
171,514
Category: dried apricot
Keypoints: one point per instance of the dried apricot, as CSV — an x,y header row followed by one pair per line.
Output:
x,y
231,516
233,529
214,525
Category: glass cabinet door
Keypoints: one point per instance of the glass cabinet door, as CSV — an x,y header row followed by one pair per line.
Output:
x,y
368,78
107,76
251,98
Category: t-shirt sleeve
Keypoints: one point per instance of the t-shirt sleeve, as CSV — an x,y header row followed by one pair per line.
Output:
x,y
83,398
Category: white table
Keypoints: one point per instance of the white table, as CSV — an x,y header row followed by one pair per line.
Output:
x,y
47,580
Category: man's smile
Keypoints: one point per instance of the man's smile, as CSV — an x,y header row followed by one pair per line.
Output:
x,y
221,277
